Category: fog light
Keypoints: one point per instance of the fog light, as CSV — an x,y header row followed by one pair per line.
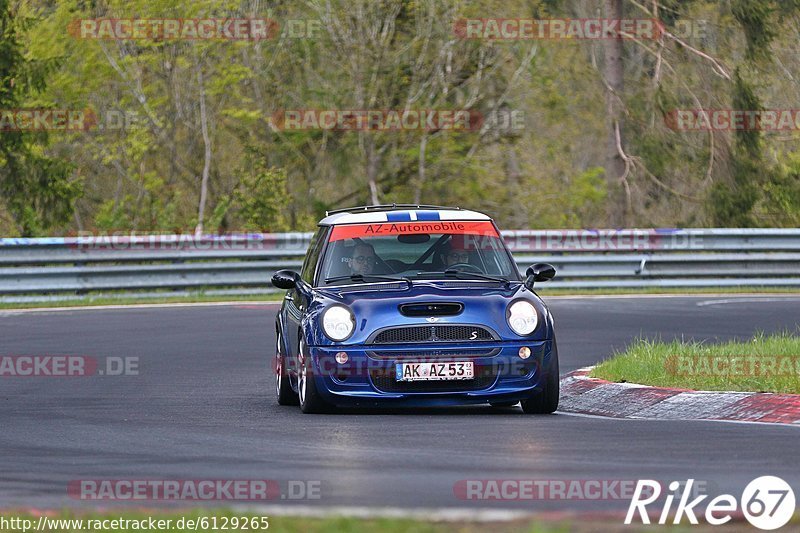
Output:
x,y
341,358
524,352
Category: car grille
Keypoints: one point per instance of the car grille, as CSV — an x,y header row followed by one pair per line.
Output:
x,y
441,333
439,354
387,382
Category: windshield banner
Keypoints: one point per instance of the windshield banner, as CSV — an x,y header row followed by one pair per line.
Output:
x,y
383,229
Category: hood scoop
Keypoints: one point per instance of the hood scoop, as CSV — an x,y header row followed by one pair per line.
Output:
x,y
432,309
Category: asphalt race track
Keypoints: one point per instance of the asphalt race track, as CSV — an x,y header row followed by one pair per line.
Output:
x,y
202,407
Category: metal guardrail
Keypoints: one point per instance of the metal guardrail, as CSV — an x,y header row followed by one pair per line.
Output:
x,y
583,259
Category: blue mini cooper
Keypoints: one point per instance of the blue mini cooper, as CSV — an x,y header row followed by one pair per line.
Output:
x,y
413,306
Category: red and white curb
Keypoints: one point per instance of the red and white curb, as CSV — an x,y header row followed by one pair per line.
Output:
x,y
591,396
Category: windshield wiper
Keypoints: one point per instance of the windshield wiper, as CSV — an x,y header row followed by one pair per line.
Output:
x,y
361,278
462,274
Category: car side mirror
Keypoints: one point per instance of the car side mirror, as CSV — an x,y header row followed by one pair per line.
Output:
x,y
539,272
285,279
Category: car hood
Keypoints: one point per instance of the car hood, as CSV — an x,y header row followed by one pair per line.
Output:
x,y
377,306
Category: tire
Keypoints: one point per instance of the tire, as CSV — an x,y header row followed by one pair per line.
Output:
x,y
502,405
545,401
283,389
310,400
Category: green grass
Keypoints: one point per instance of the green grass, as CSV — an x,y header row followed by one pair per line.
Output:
x,y
298,524
766,363
289,524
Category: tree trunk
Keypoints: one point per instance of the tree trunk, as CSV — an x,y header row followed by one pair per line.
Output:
x,y
207,154
423,145
613,73
372,160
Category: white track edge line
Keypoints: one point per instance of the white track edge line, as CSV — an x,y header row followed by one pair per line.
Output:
x,y
134,306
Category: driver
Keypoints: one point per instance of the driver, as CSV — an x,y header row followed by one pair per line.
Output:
x,y
363,260
455,252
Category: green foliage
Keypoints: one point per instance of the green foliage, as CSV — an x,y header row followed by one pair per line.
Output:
x,y
154,208
757,22
781,203
732,201
586,195
111,215
388,55
261,199
38,191
581,198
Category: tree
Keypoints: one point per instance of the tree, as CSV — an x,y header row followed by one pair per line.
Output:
x,y
616,169
203,154
39,191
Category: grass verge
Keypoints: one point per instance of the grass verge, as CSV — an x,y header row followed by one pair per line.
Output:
x,y
298,524
765,363
207,519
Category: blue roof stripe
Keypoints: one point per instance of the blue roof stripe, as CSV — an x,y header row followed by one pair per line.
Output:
x,y
427,215
400,216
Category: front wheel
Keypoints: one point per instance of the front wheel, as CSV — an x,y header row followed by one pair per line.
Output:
x,y
545,401
310,400
283,389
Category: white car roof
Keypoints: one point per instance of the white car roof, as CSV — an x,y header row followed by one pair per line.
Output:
x,y
401,215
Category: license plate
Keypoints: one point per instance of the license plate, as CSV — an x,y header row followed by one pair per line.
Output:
x,y
434,371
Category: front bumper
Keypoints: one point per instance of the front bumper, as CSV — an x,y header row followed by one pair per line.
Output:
x,y
368,376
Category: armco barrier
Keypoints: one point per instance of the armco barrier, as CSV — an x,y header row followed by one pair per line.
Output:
x,y
583,259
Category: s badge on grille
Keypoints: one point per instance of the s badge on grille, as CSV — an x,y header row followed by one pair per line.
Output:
x,y
473,336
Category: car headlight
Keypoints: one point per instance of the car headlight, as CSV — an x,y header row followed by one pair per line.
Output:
x,y
338,323
522,317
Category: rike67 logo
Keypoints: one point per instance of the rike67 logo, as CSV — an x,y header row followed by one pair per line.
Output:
x,y
767,503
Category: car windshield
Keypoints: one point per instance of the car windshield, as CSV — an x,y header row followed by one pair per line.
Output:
x,y
362,253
